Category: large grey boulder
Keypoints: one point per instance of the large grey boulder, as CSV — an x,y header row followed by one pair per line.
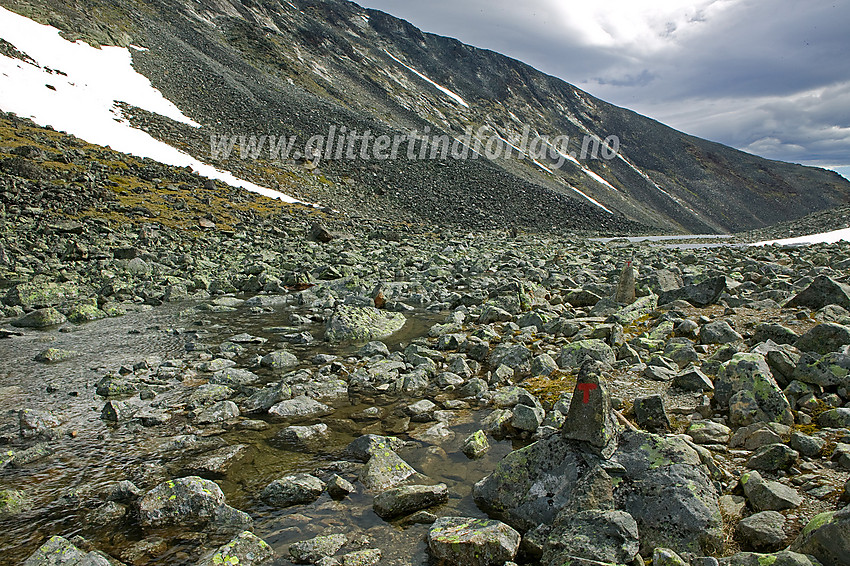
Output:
x,y
38,295
530,485
821,292
765,495
300,407
835,418
830,370
824,338
718,332
746,385
603,536
293,490
408,499
669,492
58,551
763,531
362,324
827,538
385,469
189,502
313,550
783,558
461,541
42,318
576,353
515,356
700,295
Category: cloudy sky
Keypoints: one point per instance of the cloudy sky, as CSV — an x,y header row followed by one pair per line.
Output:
x,y
769,77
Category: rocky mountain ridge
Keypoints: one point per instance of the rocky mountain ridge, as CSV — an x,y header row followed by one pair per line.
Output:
x,y
298,68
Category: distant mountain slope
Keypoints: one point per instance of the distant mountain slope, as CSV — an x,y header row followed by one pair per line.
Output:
x,y
297,68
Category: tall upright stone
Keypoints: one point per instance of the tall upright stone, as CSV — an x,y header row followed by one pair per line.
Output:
x,y
591,419
626,285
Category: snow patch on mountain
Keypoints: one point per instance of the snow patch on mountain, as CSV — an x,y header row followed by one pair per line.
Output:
x,y
439,87
76,88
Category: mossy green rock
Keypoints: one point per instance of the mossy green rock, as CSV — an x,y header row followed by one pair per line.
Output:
x,y
835,418
575,353
53,355
784,558
36,295
313,550
827,538
361,324
12,502
761,399
246,549
85,312
42,318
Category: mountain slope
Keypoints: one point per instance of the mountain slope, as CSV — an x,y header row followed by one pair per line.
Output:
x,y
297,68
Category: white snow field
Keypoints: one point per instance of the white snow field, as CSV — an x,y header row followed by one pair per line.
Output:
x,y
822,238
86,84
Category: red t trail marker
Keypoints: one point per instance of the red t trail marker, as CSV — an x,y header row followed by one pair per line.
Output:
x,y
586,388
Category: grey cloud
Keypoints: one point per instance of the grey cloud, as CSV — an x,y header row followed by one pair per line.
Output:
x,y
768,77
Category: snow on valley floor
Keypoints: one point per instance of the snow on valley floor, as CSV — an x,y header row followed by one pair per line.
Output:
x,y
85,85
822,238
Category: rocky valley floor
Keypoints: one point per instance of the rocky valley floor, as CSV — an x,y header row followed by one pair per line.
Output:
x,y
193,375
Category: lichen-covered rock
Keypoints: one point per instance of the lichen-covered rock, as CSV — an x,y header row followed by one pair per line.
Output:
x,y
699,295
460,541
783,558
515,356
763,531
281,359
767,495
58,551
313,550
530,485
773,457
605,536
831,370
408,499
300,407
475,445
37,295
668,491
244,550
293,490
827,538
748,377
385,469
356,324
12,502
835,418
718,332
821,292
824,338
189,502
42,318
576,353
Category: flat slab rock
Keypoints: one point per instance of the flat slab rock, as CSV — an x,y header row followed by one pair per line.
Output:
x,y
462,541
